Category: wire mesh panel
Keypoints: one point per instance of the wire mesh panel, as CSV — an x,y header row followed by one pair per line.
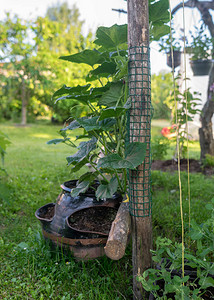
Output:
x,y
139,129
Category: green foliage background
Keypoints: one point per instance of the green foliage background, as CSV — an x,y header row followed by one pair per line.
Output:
x,y
30,68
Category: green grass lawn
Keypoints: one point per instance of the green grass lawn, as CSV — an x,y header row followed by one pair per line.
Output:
x,y
29,267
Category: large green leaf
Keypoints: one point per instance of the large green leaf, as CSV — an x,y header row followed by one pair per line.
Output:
x,y
71,90
73,125
84,98
82,93
135,154
104,70
158,31
111,37
89,57
100,90
89,124
113,95
88,176
107,124
81,188
111,112
95,124
107,190
57,141
78,165
159,11
84,149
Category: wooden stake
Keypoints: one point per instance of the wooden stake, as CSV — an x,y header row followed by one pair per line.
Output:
x,y
138,36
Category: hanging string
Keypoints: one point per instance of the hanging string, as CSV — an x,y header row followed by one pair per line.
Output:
x,y
187,126
178,148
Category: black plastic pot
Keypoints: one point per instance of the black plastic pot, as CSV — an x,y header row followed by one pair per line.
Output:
x,y
176,58
53,218
201,67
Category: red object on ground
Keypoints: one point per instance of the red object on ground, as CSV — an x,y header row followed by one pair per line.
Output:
x,y
169,132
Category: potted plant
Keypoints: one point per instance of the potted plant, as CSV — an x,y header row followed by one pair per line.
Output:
x,y
201,49
196,281
172,47
101,144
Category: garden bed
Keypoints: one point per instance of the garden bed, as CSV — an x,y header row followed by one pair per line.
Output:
x,y
171,165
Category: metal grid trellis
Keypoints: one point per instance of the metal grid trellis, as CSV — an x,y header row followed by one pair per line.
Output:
x,y
139,128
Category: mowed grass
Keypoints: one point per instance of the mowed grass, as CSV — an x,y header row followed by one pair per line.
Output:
x,y
30,269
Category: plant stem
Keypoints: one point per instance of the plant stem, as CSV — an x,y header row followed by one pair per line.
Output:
x,y
101,174
125,180
118,179
71,144
98,78
92,108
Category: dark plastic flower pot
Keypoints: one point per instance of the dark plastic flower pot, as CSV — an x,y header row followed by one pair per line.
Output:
x,y
100,212
201,67
84,245
176,58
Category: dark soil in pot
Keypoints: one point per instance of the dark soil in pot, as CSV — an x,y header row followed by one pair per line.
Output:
x,y
46,212
93,220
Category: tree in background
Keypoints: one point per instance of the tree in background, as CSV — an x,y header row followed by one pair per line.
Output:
x,y
16,51
30,68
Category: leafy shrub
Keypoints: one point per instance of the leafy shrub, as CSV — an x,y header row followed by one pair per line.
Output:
x,y
208,160
159,148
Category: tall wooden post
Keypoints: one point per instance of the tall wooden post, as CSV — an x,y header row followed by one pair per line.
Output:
x,y
140,130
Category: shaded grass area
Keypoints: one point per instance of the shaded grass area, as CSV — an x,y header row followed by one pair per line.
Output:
x,y
30,269
166,202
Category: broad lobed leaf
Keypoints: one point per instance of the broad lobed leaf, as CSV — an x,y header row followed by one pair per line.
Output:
x,y
107,190
84,149
111,37
135,155
89,57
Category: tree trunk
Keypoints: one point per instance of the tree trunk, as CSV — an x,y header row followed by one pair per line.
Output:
x,y
140,126
206,131
24,104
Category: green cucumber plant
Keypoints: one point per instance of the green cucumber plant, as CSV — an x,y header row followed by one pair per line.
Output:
x,y
104,127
